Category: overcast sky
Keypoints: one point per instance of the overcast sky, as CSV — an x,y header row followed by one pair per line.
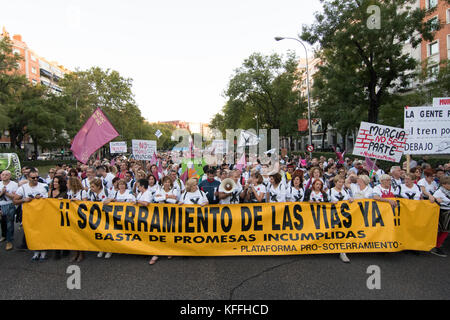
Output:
x,y
180,54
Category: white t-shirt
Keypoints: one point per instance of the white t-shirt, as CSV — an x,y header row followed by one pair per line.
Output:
x,y
234,197
26,191
396,183
11,187
357,193
277,194
86,183
179,185
308,185
146,196
260,189
108,180
413,193
294,195
80,195
197,197
440,193
160,196
380,191
127,196
429,187
336,196
316,196
153,189
102,196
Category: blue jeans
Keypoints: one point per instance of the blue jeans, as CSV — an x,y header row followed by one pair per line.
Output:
x,y
8,213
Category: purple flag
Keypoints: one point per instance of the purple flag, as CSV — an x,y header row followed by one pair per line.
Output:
x,y
95,133
370,165
154,159
185,175
241,163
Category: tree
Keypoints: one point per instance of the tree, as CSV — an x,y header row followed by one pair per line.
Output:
x,y
368,59
89,89
10,79
262,93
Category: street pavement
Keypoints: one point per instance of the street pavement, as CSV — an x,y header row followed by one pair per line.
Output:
x,y
404,276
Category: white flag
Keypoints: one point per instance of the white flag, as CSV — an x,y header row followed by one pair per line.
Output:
x,y
248,138
158,134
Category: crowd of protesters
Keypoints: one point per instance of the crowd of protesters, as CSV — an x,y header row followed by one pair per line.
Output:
x,y
313,180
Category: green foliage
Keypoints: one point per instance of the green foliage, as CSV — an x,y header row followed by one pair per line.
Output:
x,y
262,94
361,64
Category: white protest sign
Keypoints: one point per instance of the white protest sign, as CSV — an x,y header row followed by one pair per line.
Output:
x,y
118,147
143,149
441,102
158,134
380,142
428,130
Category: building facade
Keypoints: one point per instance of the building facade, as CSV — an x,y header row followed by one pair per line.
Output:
x,y
37,70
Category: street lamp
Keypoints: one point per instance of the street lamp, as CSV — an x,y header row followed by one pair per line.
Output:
x,y
307,80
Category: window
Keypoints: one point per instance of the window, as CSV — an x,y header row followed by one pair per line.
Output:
x,y
434,71
33,58
448,46
431,3
434,23
448,16
433,48
16,51
33,70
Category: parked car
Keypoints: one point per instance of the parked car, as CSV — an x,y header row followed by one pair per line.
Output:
x,y
44,156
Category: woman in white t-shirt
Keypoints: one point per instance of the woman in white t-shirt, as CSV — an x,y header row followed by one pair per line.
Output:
x,y
144,196
338,193
98,193
362,189
75,190
295,192
153,185
427,185
314,174
384,191
409,190
167,193
123,194
255,189
193,195
277,190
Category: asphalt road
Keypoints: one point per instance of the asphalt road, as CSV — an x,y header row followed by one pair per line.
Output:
x,y
404,275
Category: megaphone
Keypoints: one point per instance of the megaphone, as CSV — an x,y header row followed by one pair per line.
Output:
x,y
227,185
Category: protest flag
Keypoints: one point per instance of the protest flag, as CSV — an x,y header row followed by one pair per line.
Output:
x,y
241,163
185,176
154,159
96,132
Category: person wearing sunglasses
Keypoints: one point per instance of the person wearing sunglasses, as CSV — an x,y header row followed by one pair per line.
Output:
x,y
29,192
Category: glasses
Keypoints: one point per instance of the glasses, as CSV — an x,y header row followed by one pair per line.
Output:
x,y
33,178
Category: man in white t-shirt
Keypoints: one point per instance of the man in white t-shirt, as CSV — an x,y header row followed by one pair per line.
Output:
x,y
107,177
8,190
27,193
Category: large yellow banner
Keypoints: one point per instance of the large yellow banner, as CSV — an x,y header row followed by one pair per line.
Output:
x,y
231,230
